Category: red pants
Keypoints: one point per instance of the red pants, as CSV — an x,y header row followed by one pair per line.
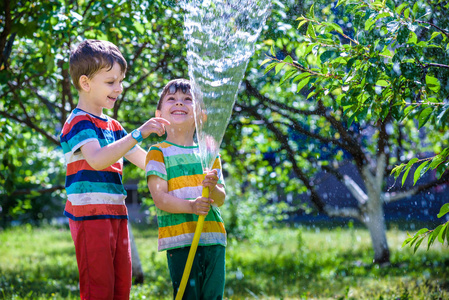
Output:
x,y
103,254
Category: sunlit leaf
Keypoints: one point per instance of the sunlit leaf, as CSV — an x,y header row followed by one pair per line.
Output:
x,y
424,116
442,233
443,210
265,61
418,171
279,67
287,75
433,83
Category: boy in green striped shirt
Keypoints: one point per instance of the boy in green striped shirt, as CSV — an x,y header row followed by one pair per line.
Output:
x,y
175,179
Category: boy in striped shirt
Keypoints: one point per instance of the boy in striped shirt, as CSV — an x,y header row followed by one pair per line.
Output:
x,y
175,180
94,145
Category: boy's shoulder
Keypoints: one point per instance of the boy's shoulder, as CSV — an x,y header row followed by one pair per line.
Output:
x,y
78,115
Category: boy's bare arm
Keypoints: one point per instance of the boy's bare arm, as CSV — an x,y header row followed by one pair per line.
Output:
x,y
100,158
137,158
166,202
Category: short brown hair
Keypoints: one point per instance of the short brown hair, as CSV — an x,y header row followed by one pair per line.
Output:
x,y
172,87
93,55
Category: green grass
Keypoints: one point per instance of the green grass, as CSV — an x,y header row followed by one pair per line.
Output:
x,y
286,263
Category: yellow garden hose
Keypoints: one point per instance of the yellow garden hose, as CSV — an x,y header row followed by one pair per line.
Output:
x,y
196,239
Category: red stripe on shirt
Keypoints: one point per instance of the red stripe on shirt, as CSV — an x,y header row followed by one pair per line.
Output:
x,y
95,210
79,165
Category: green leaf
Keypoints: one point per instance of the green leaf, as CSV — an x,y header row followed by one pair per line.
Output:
x,y
269,67
400,8
397,170
407,169
443,115
300,76
312,12
287,75
279,67
434,35
139,27
369,23
302,23
433,83
433,236
421,231
382,83
326,55
265,61
407,241
424,116
302,84
443,210
311,31
442,233
418,243
418,174
413,38
288,59
415,9
435,162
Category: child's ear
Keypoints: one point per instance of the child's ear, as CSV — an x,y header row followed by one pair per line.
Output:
x,y
84,83
158,113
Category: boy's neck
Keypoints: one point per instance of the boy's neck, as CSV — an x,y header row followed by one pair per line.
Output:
x,y
85,104
180,137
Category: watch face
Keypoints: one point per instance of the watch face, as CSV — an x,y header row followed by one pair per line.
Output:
x,y
135,134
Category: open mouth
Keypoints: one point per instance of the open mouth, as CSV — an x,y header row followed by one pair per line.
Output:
x,y
177,112
113,99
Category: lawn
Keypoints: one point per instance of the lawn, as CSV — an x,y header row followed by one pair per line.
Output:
x,y
283,263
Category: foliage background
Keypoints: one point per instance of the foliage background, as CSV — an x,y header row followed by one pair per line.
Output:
x,y
265,164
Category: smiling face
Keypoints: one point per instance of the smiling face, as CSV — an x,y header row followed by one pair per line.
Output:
x,y
178,109
102,89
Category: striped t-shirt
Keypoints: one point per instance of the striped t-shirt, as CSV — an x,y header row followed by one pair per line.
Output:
x,y
181,168
92,194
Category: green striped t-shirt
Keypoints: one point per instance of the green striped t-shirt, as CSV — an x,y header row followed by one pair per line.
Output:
x,y
181,167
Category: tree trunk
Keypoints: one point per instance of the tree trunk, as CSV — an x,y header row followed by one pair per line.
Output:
x,y
373,213
375,222
137,266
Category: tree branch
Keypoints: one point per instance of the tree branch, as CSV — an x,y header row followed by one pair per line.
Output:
x,y
433,25
30,124
346,212
314,197
5,33
404,193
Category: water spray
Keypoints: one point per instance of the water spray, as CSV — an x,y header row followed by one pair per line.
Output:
x,y
220,39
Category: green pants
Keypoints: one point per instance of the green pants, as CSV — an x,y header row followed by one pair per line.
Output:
x,y
207,278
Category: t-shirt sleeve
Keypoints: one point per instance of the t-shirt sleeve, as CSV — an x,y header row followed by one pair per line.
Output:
x,y
77,135
154,163
217,166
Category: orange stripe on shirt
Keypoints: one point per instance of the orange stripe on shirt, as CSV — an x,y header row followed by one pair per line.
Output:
x,y
185,181
189,227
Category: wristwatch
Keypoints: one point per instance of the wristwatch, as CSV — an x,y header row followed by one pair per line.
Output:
x,y
137,135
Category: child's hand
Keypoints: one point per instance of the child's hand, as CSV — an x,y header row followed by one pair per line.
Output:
x,y
201,205
154,125
210,180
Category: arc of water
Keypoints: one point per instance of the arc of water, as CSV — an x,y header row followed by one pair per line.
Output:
x,y
220,39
